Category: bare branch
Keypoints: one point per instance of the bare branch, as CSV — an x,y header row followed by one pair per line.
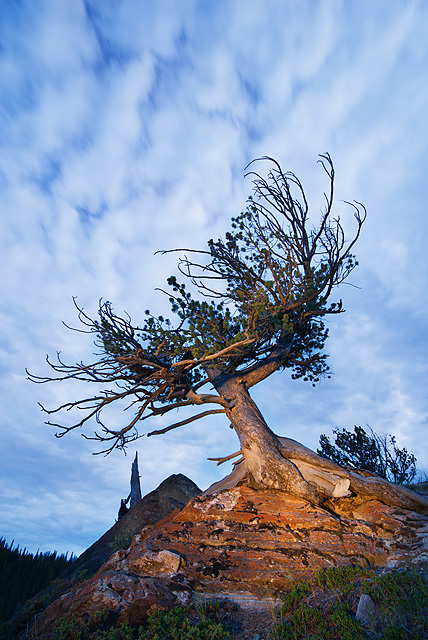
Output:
x,y
225,458
183,422
264,292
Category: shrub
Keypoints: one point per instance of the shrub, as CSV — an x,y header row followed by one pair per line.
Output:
x,y
372,452
176,624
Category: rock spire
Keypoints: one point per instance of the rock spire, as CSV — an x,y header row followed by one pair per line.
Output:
x,y
135,483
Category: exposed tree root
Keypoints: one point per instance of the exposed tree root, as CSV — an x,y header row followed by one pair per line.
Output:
x,y
325,478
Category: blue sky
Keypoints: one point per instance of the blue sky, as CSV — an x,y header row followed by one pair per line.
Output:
x,y
125,128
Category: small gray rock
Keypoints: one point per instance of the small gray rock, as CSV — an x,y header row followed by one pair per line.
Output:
x,y
366,610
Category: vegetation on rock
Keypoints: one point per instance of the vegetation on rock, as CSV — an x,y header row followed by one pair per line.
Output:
x,y
177,624
325,607
322,608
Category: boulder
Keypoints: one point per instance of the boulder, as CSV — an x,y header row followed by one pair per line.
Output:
x,y
241,543
366,611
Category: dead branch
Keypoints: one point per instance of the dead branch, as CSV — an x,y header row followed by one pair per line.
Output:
x,y
225,458
183,422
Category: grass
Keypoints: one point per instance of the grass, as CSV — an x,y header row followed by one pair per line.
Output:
x,y
402,602
123,541
324,608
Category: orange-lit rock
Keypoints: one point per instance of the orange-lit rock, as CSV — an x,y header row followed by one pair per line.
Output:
x,y
239,541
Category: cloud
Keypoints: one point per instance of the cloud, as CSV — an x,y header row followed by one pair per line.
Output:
x,y
126,129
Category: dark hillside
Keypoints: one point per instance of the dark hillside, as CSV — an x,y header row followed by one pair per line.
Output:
x,y
173,493
22,575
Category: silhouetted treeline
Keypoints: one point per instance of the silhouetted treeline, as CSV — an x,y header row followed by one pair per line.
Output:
x,y
22,575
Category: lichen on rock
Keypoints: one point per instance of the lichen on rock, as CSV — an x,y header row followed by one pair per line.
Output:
x,y
241,541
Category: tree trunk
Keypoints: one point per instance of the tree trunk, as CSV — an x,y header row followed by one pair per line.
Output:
x,y
263,466
274,462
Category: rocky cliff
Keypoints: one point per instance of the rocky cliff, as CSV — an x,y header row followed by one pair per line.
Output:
x,y
173,493
241,544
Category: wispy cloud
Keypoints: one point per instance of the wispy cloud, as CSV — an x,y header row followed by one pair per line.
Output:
x,y
126,128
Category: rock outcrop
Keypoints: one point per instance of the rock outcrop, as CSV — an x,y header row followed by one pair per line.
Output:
x,y
135,494
173,493
241,543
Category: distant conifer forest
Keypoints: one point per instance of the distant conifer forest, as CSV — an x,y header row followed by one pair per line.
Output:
x,y
23,574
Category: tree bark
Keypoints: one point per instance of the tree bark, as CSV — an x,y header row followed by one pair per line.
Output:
x,y
263,467
272,462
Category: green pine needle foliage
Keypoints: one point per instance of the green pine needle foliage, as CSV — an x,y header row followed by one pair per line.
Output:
x,y
370,451
258,296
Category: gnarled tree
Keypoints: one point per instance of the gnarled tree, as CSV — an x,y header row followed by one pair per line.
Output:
x,y
264,293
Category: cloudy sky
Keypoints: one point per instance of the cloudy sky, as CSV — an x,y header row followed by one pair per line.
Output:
x,y
126,126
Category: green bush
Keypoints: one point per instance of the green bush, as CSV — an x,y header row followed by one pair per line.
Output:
x,y
370,451
177,624
292,599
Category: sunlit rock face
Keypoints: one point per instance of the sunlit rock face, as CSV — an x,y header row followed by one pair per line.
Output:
x,y
241,541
